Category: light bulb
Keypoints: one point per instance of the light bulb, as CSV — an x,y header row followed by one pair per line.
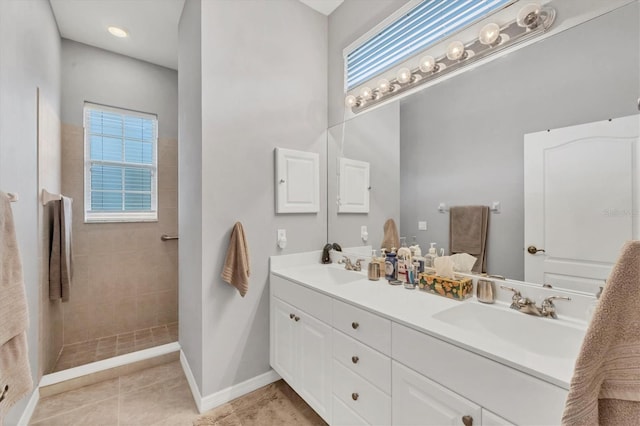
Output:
x,y
404,75
118,32
365,93
489,34
350,101
427,64
455,51
384,86
528,16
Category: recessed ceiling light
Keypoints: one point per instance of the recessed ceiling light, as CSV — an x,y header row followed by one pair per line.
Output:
x,y
118,32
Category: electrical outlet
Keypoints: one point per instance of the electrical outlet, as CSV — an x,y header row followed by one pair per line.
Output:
x,y
422,225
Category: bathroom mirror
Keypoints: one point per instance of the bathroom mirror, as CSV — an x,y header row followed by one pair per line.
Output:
x,y
461,141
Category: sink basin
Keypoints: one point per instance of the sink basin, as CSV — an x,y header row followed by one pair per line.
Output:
x,y
542,336
324,275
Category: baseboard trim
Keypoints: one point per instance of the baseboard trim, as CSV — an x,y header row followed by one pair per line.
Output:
x,y
232,392
95,367
25,418
223,396
195,392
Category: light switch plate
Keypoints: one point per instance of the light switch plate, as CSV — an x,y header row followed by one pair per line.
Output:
x,y
422,225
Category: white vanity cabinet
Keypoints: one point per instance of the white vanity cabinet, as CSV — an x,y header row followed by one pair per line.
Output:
x,y
419,401
356,367
301,352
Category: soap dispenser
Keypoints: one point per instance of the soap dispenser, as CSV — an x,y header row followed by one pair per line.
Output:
x,y
430,257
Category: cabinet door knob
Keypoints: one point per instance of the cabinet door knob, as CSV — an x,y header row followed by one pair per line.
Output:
x,y
467,420
355,396
292,315
355,325
355,359
3,394
296,319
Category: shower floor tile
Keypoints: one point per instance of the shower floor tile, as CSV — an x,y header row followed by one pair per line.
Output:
x,y
107,347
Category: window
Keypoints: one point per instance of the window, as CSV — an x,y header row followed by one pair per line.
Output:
x,y
423,26
121,178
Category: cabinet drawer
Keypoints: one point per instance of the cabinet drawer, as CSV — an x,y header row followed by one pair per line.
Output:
x,y
361,359
344,416
362,325
490,384
419,401
307,300
362,397
490,419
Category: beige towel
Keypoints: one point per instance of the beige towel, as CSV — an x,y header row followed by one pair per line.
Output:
x,y
14,317
236,269
61,256
605,388
390,238
468,227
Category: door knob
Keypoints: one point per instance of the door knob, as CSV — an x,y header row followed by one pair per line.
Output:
x,y
534,250
292,315
355,325
467,420
355,396
296,319
355,359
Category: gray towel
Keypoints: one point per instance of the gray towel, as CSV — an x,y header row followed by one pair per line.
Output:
x,y
61,255
14,317
468,229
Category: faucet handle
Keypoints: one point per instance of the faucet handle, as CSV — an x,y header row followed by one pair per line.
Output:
x,y
359,261
516,293
548,309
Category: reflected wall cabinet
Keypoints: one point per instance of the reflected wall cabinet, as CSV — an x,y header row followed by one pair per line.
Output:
x,y
297,181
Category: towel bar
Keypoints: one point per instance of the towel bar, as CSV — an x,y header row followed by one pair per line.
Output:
x,y
165,237
47,197
495,207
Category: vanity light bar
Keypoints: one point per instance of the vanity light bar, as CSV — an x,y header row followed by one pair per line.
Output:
x,y
531,21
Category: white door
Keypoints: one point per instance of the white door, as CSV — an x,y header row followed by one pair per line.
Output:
x,y
581,201
283,340
315,364
419,401
354,187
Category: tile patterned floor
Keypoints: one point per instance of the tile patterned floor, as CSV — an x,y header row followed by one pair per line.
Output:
x,y
107,347
161,396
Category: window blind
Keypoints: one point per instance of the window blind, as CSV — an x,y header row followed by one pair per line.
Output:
x,y
423,26
121,165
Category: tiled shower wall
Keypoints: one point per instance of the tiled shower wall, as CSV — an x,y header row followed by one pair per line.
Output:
x,y
125,277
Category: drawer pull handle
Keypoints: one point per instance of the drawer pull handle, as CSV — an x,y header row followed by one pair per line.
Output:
x,y
292,315
355,396
467,420
355,325
296,319
355,359
3,394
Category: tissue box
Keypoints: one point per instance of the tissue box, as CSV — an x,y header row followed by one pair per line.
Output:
x,y
458,288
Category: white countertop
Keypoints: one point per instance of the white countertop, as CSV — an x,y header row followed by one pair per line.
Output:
x,y
416,309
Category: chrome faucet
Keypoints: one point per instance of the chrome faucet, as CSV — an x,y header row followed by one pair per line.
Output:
x,y
349,266
522,304
527,306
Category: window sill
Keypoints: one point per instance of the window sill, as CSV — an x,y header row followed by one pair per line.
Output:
x,y
103,217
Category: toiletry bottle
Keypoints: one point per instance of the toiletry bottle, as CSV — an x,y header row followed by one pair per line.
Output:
x,y
429,257
416,269
390,266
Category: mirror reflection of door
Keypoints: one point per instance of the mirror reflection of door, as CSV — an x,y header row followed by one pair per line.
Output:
x,y
581,201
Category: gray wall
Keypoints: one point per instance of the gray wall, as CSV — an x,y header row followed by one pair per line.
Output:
x,y
348,22
29,58
462,139
95,75
375,138
190,187
263,86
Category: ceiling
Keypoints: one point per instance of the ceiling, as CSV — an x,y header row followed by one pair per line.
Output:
x,y
152,25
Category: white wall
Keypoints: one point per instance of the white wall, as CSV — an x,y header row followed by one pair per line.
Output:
x,y
462,139
263,86
96,75
29,58
190,187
